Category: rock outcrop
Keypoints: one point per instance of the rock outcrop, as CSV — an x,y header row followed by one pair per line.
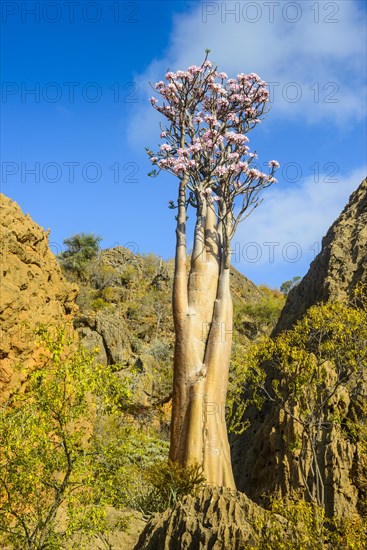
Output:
x,y
215,519
262,458
340,265
32,290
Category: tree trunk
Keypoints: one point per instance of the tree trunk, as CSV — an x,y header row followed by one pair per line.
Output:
x,y
202,311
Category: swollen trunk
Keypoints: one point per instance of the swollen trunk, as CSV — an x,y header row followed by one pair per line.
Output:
x,y
202,309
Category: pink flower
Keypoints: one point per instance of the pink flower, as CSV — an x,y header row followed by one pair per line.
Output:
x,y
163,134
211,119
207,135
232,137
165,147
274,164
221,170
223,102
153,100
234,156
170,75
233,118
194,69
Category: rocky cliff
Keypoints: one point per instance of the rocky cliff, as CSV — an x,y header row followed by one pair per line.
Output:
x,y
32,290
341,263
263,461
215,519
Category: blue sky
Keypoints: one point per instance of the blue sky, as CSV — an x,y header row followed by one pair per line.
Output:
x,y
73,150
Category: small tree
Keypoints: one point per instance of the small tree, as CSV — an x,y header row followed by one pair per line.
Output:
x,y
81,249
287,286
207,118
46,459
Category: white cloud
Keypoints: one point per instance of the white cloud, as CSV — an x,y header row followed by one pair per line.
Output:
x,y
325,47
301,215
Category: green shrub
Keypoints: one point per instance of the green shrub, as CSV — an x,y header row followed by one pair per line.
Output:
x,y
160,350
266,311
123,449
317,363
167,483
46,457
309,529
99,303
129,275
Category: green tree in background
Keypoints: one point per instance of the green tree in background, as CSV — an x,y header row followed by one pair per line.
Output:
x,y
287,286
81,249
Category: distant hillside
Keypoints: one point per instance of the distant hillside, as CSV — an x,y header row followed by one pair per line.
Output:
x,y
125,311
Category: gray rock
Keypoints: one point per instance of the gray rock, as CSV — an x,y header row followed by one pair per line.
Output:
x,y
340,265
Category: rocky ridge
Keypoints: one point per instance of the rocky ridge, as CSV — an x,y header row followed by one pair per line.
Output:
x,y
262,460
32,290
340,265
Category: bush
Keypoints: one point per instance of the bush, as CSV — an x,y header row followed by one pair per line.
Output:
x,y
123,450
129,275
167,483
46,457
311,529
160,350
265,312
317,367
99,303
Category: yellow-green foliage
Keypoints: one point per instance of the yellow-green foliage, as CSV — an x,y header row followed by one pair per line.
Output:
x,y
324,351
46,446
244,390
264,312
168,482
308,528
123,450
316,367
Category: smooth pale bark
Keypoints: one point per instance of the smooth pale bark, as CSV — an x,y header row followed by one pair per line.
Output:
x,y
202,310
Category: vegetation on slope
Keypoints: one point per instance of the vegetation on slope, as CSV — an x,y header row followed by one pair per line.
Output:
x,y
77,443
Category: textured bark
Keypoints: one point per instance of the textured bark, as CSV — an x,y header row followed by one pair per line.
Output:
x,y
202,310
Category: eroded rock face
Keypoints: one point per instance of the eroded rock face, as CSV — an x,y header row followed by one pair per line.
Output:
x,y
340,265
216,519
263,461
32,290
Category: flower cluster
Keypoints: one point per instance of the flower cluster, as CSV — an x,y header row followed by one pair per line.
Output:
x,y
208,118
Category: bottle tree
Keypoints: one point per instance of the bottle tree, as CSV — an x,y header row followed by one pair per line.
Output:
x,y
207,116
